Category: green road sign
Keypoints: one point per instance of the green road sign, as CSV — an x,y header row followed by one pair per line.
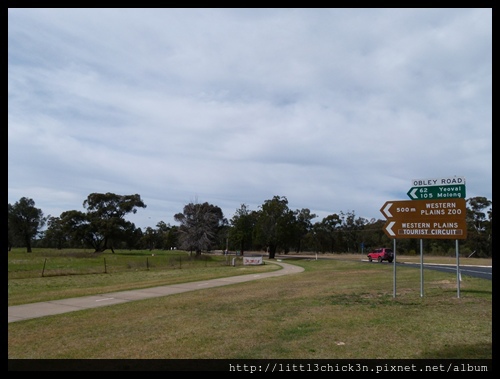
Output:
x,y
437,192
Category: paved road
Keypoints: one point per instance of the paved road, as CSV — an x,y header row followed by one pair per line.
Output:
x,y
482,272
53,307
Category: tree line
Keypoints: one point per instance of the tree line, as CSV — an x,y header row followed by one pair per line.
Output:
x,y
273,228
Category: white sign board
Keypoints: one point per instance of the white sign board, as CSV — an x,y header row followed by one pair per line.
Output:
x,y
438,181
252,260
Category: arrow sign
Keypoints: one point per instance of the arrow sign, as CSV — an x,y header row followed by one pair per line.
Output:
x,y
437,192
449,210
430,229
388,229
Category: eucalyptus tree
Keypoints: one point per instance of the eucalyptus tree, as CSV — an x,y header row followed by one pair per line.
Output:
x,y
374,236
172,240
163,233
24,222
302,226
159,238
55,235
274,225
242,227
479,225
106,213
199,226
131,237
103,225
81,231
326,233
351,227
149,238
11,238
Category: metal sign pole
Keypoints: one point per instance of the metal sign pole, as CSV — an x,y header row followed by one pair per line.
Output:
x,y
394,270
421,268
458,269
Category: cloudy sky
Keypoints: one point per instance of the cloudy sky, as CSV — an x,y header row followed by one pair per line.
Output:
x,y
338,110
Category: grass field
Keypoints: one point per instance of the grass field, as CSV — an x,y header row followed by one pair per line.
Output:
x,y
336,309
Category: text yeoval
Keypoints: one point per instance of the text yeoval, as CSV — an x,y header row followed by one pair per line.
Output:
x,y
453,191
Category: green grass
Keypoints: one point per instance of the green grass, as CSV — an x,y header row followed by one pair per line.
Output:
x,y
335,309
46,274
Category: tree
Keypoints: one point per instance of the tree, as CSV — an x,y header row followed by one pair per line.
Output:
x,y
199,226
10,234
132,237
374,236
25,221
172,237
55,234
243,224
106,213
303,226
478,225
273,224
325,233
77,226
350,229
103,226
149,238
166,235
159,238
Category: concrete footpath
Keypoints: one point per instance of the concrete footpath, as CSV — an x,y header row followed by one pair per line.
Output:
x,y
54,307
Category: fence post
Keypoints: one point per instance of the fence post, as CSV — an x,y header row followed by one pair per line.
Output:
x,y
43,270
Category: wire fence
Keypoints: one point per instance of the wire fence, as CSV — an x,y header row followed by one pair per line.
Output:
x,y
58,266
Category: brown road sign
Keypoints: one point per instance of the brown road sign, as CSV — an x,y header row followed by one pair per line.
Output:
x,y
449,210
431,229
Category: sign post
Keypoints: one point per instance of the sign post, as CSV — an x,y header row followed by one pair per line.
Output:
x,y
438,213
